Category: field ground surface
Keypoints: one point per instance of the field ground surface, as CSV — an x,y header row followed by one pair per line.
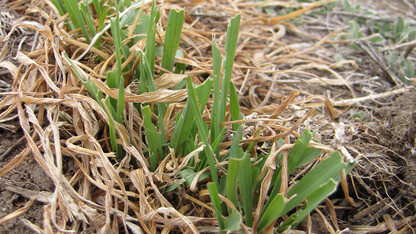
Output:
x,y
364,106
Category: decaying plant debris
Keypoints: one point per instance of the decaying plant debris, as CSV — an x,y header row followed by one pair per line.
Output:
x,y
282,71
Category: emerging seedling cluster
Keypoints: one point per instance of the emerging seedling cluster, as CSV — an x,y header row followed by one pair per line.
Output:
x,y
247,189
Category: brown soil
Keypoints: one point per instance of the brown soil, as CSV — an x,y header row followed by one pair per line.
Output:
x,y
384,145
18,186
15,186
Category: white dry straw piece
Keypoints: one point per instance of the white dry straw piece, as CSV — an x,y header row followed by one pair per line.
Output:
x,y
99,34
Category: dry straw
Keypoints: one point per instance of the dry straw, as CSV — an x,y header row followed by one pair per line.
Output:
x,y
49,100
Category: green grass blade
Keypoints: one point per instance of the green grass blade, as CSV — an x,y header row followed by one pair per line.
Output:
x,y
174,185
128,19
143,76
213,194
71,7
126,3
219,139
172,37
272,212
151,137
161,108
180,68
246,189
110,108
327,169
204,91
188,175
113,82
120,101
101,20
203,132
97,6
59,6
119,81
234,106
148,84
147,74
296,157
150,40
185,122
111,128
112,79
87,14
89,85
235,150
313,199
76,17
182,128
215,120
232,223
234,165
115,30
215,144
230,47
348,169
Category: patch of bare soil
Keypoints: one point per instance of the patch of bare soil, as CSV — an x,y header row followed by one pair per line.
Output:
x,y
397,132
20,185
384,178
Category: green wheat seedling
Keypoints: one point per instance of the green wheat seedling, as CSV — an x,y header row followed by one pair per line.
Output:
x,y
144,72
243,181
254,187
